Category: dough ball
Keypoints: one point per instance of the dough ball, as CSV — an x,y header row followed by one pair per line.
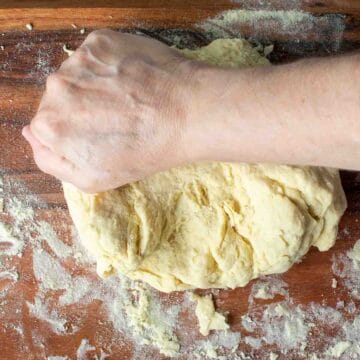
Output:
x,y
211,225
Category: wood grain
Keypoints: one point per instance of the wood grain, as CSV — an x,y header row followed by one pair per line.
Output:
x,y
45,15
29,56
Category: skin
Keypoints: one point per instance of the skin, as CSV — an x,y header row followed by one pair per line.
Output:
x,y
123,107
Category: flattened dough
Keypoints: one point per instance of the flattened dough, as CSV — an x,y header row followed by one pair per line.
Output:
x,y
212,225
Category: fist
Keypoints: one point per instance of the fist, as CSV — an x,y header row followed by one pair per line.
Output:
x,y
115,112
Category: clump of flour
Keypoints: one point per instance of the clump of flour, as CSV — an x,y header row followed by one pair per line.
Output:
x,y
267,25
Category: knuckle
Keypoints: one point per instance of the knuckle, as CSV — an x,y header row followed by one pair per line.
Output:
x,y
48,125
54,128
98,35
81,56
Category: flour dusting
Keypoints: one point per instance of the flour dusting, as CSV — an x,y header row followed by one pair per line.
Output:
x,y
40,310
268,24
267,288
347,268
84,348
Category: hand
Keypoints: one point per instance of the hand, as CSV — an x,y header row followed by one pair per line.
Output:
x,y
113,113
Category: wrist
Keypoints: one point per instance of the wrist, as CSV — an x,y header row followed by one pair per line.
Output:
x,y
202,112
218,117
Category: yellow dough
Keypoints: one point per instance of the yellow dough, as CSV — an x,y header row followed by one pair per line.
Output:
x,y
207,317
212,225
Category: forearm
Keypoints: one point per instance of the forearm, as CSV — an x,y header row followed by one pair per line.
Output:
x,y
306,112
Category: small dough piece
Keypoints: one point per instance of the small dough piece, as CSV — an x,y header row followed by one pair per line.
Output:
x,y
210,225
208,318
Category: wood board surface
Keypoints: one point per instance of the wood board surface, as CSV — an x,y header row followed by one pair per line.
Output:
x,y
25,61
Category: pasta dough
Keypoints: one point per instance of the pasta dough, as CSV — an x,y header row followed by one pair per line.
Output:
x,y
207,317
210,225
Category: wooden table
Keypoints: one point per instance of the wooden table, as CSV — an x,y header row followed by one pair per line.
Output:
x,y
29,56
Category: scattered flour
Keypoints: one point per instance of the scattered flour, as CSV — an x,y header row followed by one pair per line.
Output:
x,y
14,245
11,275
267,288
41,311
267,25
290,327
347,268
47,233
48,271
338,349
354,254
284,326
216,344
143,319
348,343
83,349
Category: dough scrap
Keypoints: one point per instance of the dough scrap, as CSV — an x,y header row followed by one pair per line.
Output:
x,y
143,322
208,318
210,225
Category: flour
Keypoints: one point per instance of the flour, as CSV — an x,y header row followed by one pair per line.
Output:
x,y
39,310
150,324
51,275
273,356
48,271
216,344
255,343
267,25
83,349
267,288
284,326
338,349
47,233
11,275
19,212
354,254
13,245
43,65
144,323
348,343
289,327
347,268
